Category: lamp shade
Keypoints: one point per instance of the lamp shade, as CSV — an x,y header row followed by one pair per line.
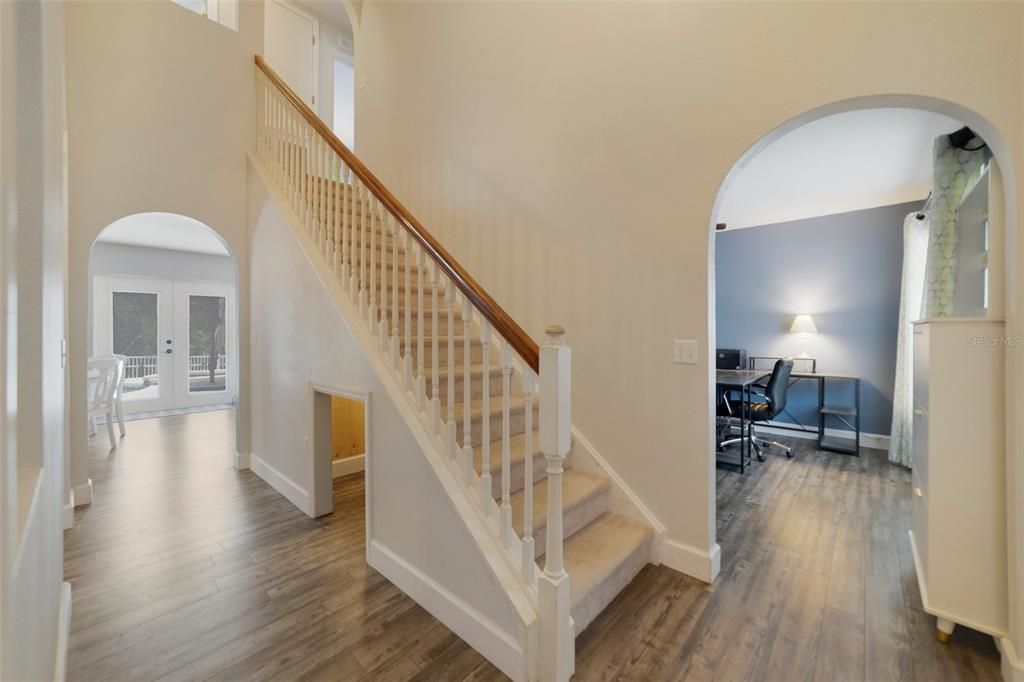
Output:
x,y
804,325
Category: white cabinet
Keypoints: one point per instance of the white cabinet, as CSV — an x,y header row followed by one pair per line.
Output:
x,y
958,511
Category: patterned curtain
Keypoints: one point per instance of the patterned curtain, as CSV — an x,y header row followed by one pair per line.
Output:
x,y
956,170
915,253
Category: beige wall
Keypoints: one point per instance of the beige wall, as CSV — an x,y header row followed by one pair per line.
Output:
x,y
570,155
160,119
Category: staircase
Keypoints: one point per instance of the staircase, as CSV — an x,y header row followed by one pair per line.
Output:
x,y
470,372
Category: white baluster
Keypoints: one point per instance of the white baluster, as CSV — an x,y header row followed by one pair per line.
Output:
x,y
290,189
506,442
337,190
467,394
373,262
358,211
325,203
450,422
319,190
346,230
486,491
557,645
307,171
435,397
529,552
421,381
407,360
395,336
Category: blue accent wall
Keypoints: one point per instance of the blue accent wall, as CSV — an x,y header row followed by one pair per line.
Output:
x,y
844,270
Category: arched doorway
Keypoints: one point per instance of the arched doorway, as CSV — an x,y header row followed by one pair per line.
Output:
x,y
1004,201
164,297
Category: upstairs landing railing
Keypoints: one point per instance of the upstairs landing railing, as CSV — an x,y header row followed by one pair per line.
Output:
x,y
401,279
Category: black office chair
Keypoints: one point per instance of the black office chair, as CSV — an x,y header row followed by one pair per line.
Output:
x,y
773,403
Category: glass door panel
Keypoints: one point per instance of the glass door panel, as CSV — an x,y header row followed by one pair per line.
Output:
x,y
207,357
205,323
134,317
135,336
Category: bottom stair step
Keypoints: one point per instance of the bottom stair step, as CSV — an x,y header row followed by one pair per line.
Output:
x,y
601,560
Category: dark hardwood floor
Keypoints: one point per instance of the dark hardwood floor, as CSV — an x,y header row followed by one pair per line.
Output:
x,y
185,569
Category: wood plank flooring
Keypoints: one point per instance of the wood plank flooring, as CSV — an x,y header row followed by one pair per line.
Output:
x,y
185,569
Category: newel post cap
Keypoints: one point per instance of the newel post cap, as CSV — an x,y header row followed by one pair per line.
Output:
x,y
554,334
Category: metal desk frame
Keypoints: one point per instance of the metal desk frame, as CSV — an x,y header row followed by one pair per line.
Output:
x,y
738,380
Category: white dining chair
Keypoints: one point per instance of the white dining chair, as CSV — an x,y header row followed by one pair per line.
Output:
x,y
102,382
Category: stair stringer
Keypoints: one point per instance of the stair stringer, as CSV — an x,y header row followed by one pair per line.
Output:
x,y
514,653
623,500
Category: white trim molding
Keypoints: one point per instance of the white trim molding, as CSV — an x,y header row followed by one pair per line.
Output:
x,y
69,510
1012,663
348,465
701,564
473,627
60,669
83,493
281,483
241,460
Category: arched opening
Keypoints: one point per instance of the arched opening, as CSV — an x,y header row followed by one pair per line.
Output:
x,y
811,504
164,302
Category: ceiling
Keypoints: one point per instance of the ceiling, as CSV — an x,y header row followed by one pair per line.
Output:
x,y
164,231
331,11
839,163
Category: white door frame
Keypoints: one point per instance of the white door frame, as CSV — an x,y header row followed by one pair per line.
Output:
x,y
315,46
172,324
321,482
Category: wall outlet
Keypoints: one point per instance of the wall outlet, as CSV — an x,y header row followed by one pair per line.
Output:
x,y
685,352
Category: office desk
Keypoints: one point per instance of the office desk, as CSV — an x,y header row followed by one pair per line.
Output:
x,y
739,380
826,409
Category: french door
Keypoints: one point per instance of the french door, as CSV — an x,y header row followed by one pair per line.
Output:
x,y
179,338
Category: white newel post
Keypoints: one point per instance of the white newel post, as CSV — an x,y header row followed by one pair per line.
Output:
x,y
557,645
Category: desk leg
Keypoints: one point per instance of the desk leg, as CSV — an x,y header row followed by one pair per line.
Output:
x,y
744,446
821,406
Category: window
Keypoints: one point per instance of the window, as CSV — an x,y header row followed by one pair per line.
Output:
x,y
224,12
344,101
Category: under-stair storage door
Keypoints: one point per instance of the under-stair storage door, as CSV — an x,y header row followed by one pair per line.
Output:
x,y
134,317
206,357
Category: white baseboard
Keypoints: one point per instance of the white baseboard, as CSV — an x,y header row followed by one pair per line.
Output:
x,y
241,460
349,465
60,670
69,510
878,441
83,493
1012,664
474,628
701,564
281,483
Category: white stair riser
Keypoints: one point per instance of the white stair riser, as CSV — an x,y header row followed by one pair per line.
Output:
x,y
574,518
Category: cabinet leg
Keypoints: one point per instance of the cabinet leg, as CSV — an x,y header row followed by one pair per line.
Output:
x,y
945,629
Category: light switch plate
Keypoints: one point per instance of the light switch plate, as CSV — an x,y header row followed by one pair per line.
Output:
x,y
685,352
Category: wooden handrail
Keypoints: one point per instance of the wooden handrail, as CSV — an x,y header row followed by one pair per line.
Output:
x,y
500,320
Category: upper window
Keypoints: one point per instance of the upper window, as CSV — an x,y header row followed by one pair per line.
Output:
x,y
224,12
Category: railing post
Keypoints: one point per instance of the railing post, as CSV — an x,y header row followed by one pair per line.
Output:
x,y
557,644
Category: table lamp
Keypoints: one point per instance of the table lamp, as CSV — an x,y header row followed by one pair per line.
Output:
x,y
804,325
